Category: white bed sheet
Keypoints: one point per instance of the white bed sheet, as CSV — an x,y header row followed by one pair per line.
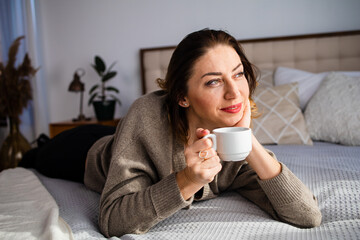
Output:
x,y
27,210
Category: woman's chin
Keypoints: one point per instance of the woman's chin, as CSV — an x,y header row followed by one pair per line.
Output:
x,y
226,121
232,123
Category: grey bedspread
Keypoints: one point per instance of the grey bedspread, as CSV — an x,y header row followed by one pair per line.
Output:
x,y
331,171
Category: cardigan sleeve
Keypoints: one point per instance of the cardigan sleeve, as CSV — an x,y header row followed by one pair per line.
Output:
x,y
123,211
293,202
284,197
140,188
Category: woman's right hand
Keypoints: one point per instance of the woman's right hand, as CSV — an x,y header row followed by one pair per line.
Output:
x,y
198,171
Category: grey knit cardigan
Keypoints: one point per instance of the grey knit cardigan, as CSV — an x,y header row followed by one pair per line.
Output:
x,y
134,170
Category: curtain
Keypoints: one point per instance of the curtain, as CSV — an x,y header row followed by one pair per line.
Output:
x,y
40,107
3,123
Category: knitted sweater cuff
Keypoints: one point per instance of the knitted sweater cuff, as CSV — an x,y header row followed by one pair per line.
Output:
x,y
284,188
166,197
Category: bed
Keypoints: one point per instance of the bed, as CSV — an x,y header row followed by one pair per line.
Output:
x,y
308,96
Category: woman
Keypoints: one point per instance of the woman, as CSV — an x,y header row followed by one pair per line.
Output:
x,y
151,168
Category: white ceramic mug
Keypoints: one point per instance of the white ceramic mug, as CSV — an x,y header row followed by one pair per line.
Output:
x,y
231,143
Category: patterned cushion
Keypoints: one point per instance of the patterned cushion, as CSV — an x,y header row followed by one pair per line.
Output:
x,y
265,79
281,120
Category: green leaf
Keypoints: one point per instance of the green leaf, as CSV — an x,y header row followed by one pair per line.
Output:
x,y
112,89
92,98
94,67
111,66
108,76
116,99
93,88
100,64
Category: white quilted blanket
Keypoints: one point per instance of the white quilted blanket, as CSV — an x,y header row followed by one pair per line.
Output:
x,y
27,210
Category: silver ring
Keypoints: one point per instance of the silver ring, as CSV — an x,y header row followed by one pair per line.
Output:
x,y
201,154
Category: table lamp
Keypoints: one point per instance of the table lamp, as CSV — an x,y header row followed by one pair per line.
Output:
x,y
77,86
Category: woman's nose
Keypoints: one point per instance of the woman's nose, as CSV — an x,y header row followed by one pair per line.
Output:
x,y
231,90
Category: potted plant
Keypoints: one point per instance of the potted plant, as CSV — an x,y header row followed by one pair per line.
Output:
x,y
103,97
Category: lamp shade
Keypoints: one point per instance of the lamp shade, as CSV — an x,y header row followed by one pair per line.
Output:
x,y
76,85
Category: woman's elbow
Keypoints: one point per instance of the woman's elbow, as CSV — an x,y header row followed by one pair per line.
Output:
x,y
107,220
308,219
110,226
313,219
112,223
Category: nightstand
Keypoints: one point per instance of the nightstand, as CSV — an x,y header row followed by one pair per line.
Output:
x,y
58,127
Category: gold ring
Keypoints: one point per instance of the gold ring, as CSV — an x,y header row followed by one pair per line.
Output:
x,y
203,154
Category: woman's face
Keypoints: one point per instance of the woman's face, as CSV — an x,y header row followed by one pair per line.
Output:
x,y
217,90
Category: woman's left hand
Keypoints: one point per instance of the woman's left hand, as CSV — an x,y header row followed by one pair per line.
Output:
x,y
265,166
246,118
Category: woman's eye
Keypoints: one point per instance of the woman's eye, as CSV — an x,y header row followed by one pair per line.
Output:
x,y
212,82
239,75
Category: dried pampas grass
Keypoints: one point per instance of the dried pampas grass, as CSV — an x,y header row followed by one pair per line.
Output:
x,y
15,87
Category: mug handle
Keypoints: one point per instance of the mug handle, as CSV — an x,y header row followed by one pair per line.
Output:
x,y
213,139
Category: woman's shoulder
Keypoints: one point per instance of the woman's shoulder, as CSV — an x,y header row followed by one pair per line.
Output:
x,y
152,98
149,105
147,110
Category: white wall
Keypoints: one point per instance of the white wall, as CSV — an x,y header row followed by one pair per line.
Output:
x,y
73,31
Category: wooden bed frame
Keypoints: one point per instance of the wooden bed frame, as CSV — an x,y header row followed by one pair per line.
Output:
x,y
312,52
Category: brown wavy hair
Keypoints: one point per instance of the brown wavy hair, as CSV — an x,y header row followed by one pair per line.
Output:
x,y
181,68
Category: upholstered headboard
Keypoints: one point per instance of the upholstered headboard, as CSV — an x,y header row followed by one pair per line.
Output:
x,y
313,53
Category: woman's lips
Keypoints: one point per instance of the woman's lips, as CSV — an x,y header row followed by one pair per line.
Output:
x,y
233,108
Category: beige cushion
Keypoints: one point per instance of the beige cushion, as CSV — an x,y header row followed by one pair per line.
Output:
x,y
281,120
333,113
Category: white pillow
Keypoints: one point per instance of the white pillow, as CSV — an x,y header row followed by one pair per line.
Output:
x,y
333,113
308,82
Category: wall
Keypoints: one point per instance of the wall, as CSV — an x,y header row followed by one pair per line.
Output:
x,y
73,31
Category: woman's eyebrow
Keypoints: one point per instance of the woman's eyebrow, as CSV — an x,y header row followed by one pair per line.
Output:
x,y
211,74
237,67
219,73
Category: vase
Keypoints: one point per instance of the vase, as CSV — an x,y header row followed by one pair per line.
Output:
x,y
13,148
